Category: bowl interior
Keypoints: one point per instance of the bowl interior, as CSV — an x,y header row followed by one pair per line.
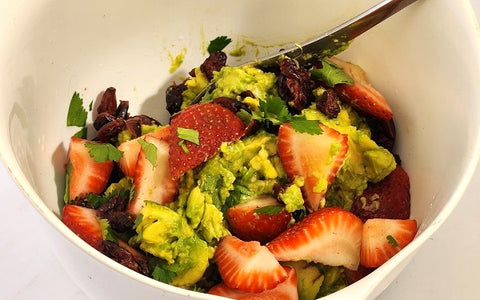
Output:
x,y
426,69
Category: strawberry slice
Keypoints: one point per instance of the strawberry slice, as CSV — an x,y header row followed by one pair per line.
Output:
x,y
260,219
387,199
247,266
84,223
361,94
286,290
152,179
330,236
383,238
214,123
317,164
86,175
131,150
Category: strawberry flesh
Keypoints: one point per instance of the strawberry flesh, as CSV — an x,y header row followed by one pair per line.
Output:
x,y
215,125
249,225
330,236
361,95
84,223
247,266
286,290
383,238
86,175
311,157
153,182
388,199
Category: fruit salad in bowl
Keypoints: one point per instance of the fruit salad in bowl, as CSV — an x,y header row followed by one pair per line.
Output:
x,y
278,182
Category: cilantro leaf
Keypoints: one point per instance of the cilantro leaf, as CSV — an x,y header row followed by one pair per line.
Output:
x,y
391,240
268,210
150,151
303,125
77,115
331,74
103,152
95,200
218,43
275,110
82,133
189,134
162,274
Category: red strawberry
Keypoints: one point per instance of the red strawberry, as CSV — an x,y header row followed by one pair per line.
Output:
x,y
215,125
388,199
247,266
131,150
86,175
316,158
361,95
250,224
84,223
330,236
286,290
152,182
383,238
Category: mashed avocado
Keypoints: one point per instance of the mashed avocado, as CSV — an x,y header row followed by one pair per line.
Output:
x,y
167,235
365,160
231,81
240,171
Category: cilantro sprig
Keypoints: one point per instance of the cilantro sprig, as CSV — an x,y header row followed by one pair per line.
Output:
x,y
218,43
275,111
77,115
103,152
331,74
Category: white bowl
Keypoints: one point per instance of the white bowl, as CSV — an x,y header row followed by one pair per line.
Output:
x,y
425,60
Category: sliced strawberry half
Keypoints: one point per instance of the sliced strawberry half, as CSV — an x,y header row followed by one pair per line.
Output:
x,y
383,238
331,236
247,266
259,219
286,290
387,199
86,175
214,123
84,223
361,94
131,150
152,179
316,158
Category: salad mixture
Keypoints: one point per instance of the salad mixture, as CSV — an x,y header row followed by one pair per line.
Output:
x,y
277,183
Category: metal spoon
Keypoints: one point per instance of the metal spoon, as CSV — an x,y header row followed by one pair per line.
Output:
x,y
332,41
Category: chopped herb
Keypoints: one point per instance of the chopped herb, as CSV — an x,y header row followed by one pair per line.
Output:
x,y
269,210
150,151
103,152
95,200
391,240
275,111
77,115
163,275
138,220
303,125
218,44
67,183
331,74
90,106
183,146
107,232
82,133
189,134
245,116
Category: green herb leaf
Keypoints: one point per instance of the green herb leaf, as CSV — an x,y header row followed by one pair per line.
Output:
x,y
188,134
163,275
77,115
82,133
218,44
183,146
103,152
269,210
275,110
331,74
391,240
150,151
107,232
95,200
67,183
138,220
303,125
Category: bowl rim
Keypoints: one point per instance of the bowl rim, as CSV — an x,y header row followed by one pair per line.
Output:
x,y
53,219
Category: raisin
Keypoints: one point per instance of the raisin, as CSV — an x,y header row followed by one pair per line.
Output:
x,y
110,131
109,102
125,257
294,84
328,104
231,104
122,110
102,119
214,62
174,97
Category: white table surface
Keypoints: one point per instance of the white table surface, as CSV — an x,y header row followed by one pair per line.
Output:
x,y
446,267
